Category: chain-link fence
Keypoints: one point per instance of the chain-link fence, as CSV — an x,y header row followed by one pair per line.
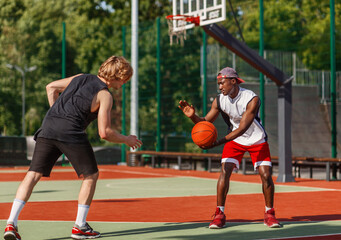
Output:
x,y
218,57
182,76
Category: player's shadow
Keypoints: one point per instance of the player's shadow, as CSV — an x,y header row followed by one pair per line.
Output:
x,y
46,191
231,225
232,231
168,227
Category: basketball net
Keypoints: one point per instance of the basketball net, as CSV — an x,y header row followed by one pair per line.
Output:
x,y
180,32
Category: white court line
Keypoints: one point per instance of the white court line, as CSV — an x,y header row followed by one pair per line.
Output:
x,y
314,189
173,175
139,173
155,174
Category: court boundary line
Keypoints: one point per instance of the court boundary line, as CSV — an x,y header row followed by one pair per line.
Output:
x,y
316,189
196,177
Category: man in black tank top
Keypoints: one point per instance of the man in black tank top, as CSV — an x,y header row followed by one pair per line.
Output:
x,y
74,103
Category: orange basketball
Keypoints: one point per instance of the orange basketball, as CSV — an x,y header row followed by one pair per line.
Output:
x,y
204,134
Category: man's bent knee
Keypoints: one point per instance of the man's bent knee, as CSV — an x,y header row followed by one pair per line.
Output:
x,y
33,176
226,169
266,176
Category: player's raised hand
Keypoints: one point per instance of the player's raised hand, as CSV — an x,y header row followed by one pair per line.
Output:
x,y
187,109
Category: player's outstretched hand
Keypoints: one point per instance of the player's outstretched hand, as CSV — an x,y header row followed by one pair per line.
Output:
x,y
187,109
133,142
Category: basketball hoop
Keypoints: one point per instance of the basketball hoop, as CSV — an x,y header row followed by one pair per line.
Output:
x,y
180,22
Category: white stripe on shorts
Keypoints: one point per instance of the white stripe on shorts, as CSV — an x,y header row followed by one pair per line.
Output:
x,y
231,160
236,162
262,163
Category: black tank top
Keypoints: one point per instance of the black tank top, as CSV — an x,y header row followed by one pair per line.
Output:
x,y
71,114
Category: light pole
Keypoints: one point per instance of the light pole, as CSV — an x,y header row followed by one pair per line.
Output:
x,y
23,73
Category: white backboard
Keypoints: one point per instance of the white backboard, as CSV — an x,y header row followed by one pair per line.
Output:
x,y
209,11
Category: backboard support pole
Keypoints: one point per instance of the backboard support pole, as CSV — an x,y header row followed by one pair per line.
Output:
x,y
284,133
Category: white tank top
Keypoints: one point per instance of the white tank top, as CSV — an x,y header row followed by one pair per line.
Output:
x,y
235,109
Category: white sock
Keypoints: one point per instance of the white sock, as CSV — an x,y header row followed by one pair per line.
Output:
x,y
17,206
82,214
222,208
267,208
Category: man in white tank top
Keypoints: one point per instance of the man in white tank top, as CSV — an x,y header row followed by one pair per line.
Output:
x,y
239,108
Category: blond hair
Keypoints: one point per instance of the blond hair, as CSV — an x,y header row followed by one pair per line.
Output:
x,y
115,68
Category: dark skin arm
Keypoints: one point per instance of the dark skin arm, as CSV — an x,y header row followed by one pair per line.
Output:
x,y
245,122
189,111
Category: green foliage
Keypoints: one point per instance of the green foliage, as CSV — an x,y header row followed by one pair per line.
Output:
x,y
180,79
282,28
317,35
31,35
302,26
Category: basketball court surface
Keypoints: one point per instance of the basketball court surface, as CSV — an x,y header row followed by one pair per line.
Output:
x,y
145,203
135,203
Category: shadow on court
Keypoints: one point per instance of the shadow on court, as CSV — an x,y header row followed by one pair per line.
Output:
x,y
167,227
195,231
46,191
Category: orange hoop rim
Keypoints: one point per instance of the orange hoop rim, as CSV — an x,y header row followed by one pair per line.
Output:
x,y
179,17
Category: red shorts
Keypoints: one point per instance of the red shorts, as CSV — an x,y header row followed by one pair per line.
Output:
x,y
234,152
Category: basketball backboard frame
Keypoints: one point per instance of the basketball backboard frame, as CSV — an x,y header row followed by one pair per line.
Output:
x,y
209,11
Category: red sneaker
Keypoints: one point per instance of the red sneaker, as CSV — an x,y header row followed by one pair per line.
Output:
x,y
11,232
85,232
218,220
270,219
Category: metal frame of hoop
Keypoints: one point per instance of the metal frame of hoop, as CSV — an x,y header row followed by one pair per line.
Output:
x,y
181,31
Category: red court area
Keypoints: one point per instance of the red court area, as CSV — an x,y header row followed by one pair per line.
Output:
x,y
291,206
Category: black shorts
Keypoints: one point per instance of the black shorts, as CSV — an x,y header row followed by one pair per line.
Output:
x,y
47,152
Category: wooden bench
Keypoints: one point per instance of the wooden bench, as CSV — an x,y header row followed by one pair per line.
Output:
x,y
314,162
299,162
193,158
179,157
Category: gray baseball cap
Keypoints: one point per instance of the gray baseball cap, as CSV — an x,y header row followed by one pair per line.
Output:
x,y
229,73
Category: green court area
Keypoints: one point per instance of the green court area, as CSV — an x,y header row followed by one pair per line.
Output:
x,y
141,203
45,230
138,188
